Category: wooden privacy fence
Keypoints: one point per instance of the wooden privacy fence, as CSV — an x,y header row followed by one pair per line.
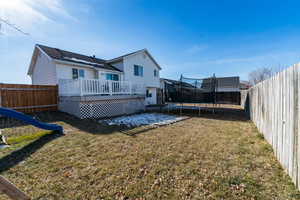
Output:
x,y
11,190
274,108
29,98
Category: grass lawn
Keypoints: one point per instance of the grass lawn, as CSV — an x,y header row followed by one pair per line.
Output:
x,y
206,157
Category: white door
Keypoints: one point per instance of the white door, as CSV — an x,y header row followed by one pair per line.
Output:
x,y
151,96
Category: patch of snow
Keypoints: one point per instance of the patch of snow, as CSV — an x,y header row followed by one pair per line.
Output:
x,y
3,146
83,61
143,119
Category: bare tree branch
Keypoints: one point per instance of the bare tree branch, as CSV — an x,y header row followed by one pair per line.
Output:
x,y
260,74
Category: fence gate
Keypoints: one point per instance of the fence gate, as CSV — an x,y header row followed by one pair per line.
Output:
x,y
29,98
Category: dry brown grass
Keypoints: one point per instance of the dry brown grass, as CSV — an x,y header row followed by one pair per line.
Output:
x,y
207,157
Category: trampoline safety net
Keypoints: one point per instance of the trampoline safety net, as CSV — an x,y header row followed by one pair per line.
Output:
x,y
191,90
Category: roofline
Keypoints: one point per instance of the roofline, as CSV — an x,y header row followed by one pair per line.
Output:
x,y
152,59
30,68
134,53
84,65
115,60
125,55
72,63
36,48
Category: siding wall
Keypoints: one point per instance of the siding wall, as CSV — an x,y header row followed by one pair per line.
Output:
x,y
44,72
65,71
148,69
274,108
118,65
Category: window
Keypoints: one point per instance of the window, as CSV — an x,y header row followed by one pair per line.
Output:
x,y
77,73
155,73
148,93
138,70
112,77
81,73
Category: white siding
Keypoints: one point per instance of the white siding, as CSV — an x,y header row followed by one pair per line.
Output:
x,y
44,71
118,65
65,71
148,65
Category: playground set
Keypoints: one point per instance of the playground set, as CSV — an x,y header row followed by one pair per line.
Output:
x,y
5,186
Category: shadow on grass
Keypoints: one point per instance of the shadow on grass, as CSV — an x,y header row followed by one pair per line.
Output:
x,y
133,132
20,155
226,114
86,125
142,129
94,127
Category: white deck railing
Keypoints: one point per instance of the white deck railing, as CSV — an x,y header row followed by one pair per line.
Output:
x,y
81,87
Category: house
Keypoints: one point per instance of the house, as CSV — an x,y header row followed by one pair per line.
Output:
x,y
224,84
88,80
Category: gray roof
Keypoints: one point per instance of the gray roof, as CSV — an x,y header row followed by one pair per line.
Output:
x,y
68,56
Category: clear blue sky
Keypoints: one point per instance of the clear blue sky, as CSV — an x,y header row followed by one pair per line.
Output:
x,y
194,38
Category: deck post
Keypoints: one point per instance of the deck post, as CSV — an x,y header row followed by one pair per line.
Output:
x,y
130,88
80,85
110,88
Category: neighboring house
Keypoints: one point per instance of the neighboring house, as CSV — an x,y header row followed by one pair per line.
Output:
x,y
132,75
227,89
224,84
245,85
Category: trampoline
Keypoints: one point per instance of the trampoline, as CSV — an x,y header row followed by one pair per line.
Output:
x,y
191,94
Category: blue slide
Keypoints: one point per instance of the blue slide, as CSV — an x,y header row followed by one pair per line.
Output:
x,y
29,120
